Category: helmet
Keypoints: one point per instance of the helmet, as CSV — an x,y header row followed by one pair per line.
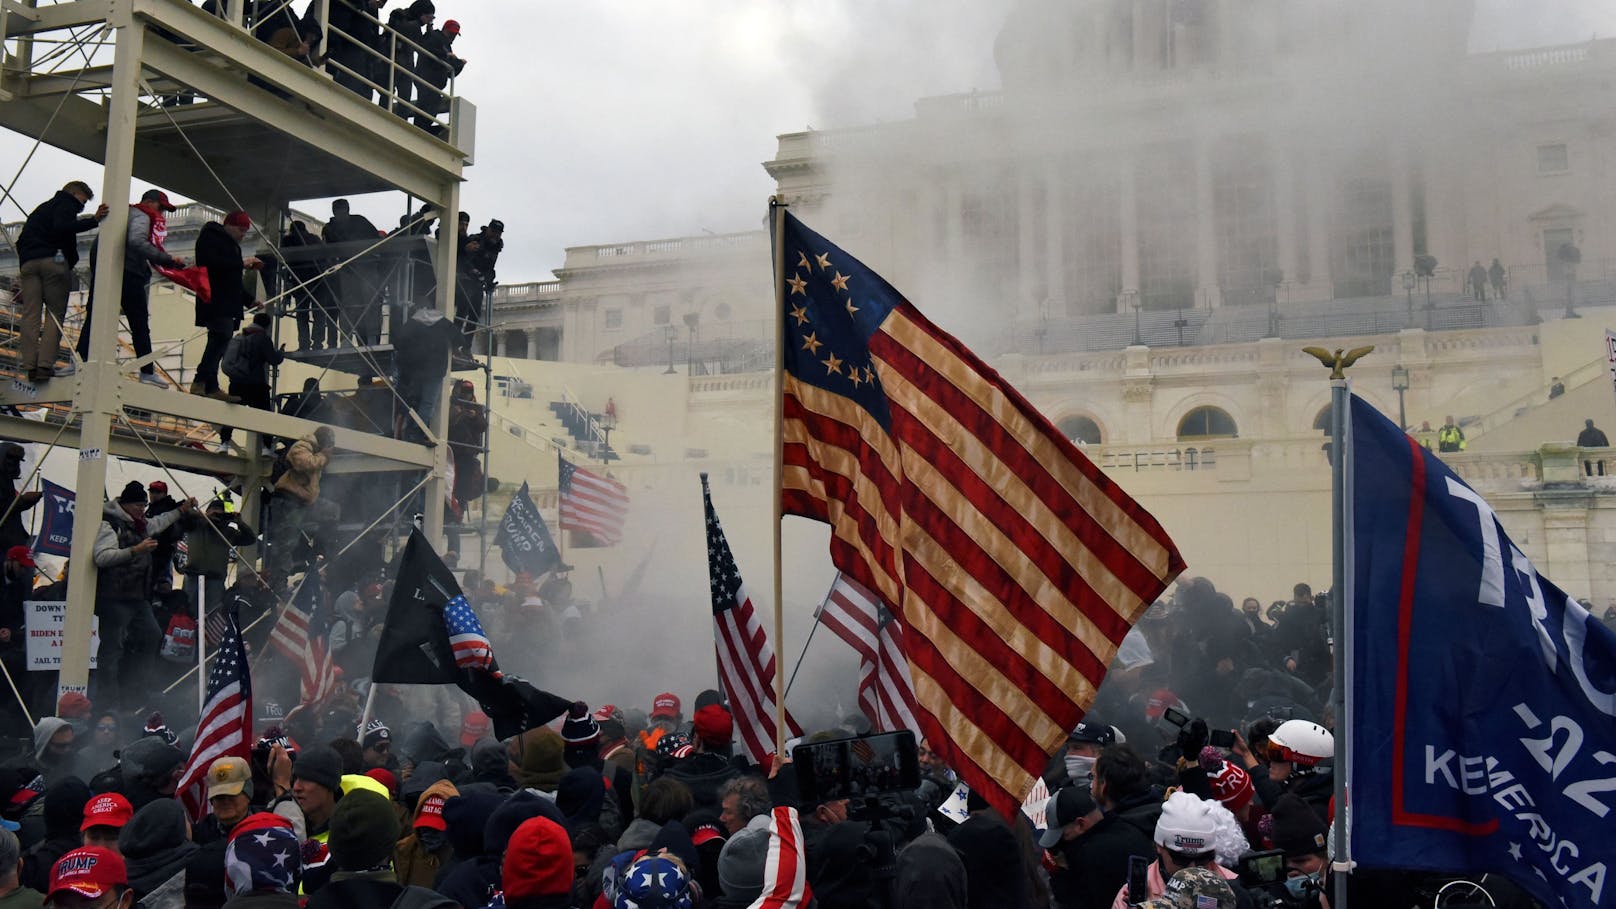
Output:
x,y
1301,742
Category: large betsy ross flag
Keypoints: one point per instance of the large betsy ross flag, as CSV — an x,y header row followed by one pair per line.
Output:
x,y
1482,701
593,504
1013,564
746,664
885,692
226,725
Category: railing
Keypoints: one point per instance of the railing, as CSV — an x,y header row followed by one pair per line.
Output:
x,y
675,245
526,293
1154,458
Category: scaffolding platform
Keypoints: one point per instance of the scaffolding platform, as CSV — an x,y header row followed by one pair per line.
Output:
x,y
194,103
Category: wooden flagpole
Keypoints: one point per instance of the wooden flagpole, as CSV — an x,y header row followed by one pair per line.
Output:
x,y
777,213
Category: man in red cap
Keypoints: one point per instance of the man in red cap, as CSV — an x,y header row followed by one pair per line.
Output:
x,y
16,586
433,68
104,817
706,771
143,248
218,249
84,877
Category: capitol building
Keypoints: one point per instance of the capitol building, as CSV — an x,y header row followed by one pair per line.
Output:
x,y
1162,205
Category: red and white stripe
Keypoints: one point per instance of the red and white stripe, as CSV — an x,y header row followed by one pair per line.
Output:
x,y
226,724
746,668
885,692
319,677
785,871
291,632
594,504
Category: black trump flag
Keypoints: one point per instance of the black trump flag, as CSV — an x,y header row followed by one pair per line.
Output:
x,y
415,650
524,540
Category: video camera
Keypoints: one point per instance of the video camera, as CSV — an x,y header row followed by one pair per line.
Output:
x,y
1264,876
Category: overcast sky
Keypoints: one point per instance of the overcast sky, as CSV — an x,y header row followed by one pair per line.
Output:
x,y
621,120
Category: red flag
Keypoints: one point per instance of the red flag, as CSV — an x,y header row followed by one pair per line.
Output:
x,y
1016,566
193,278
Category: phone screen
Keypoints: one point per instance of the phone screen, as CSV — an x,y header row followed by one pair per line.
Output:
x,y
1138,879
1221,738
857,767
1176,717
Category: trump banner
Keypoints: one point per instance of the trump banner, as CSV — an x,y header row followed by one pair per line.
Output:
x,y
1483,697
56,521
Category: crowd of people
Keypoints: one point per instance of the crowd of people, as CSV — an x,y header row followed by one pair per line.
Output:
x,y
1202,777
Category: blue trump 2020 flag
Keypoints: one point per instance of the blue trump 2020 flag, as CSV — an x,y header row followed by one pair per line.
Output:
x,y
56,524
524,539
1483,707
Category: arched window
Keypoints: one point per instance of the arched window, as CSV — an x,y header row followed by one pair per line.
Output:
x,y
1322,421
1206,423
1080,430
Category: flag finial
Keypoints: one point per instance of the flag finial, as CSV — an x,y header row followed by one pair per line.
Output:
x,y
1338,362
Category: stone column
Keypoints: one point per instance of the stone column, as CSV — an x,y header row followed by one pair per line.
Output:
x,y
1206,229
532,343
1055,239
1285,224
1031,288
502,344
1402,216
1128,225
1320,191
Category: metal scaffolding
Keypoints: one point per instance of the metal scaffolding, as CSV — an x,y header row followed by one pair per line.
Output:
x,y
267,130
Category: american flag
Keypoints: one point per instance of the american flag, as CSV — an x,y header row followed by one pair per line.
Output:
x,y
593,504
858,617
785,867
745,659
1016,567
472,649
319,677
226,726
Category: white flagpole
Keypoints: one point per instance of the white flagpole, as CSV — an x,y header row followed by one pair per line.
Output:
x,y
201,645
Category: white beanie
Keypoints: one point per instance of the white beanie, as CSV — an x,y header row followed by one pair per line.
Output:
x,y
1187,825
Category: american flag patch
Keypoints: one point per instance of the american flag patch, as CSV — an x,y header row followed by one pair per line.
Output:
x,y
1206,902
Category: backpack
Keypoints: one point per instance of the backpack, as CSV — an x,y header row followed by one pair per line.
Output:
x,y
235,365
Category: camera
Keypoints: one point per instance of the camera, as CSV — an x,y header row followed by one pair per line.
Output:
x,y
1264,876
857,768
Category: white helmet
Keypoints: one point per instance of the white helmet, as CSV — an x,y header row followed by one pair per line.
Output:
x,y
1301,742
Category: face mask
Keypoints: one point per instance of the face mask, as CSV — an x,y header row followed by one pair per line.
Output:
x,y
431,840
1298,887
1079,768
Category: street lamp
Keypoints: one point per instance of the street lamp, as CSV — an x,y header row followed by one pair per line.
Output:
x,y
670,331
1408,288
1400,384
692,322
1131,298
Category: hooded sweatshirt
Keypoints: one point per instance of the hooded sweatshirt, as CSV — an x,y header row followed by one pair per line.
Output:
x,y
154,845
930,875
43,730
418,856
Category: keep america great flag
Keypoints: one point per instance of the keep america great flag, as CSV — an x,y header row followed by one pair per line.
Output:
x,y
1014,565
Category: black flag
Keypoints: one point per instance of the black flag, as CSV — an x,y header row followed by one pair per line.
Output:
x,y
415,649
524,541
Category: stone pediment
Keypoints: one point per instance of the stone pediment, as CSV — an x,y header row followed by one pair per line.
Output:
x,y
1559,211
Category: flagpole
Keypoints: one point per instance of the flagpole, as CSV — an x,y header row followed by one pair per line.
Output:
x,y
201,645
777,212
817,613
1339,421
370,702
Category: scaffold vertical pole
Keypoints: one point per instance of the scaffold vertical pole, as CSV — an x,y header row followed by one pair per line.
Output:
x,y
447,252
96,397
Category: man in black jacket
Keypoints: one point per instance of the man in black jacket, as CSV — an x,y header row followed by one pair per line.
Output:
x,y
355,33
1090,849
411,24
357,283
314,303
47,250
248,371
434,66
218,249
